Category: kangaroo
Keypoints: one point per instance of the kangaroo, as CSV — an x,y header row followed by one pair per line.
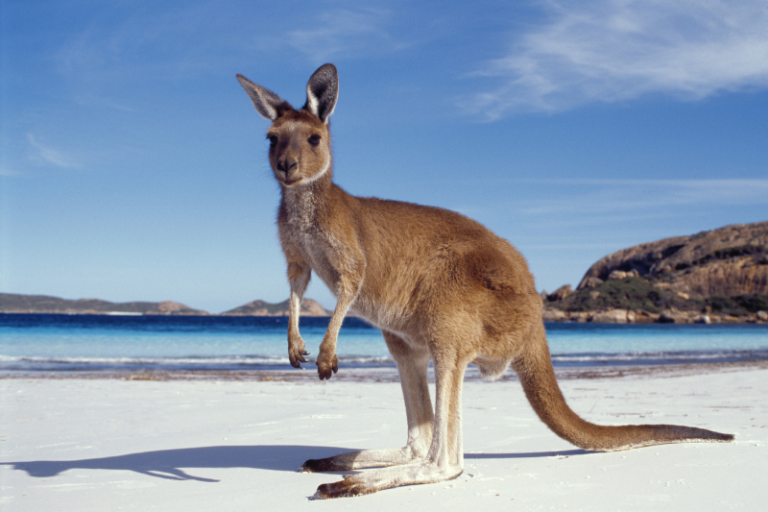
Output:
x,y
441,287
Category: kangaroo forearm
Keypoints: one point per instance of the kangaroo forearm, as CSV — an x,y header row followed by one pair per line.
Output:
x,y
298,275
327,361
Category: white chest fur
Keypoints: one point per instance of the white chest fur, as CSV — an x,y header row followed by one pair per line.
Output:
x,y
299,228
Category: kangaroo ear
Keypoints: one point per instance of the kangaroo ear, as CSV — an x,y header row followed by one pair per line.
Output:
x,y
267,103
322,92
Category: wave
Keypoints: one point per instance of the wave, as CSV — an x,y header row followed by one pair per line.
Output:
x,y
272,362
247,362
659,358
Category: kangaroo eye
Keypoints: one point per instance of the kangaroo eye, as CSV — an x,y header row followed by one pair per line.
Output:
x,y
272,140
314,140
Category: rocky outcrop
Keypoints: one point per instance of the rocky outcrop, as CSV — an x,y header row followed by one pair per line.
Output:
x,y
729,261
716,276
17,303
309,307
561,293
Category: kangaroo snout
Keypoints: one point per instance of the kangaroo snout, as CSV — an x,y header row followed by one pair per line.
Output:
x,y
288,166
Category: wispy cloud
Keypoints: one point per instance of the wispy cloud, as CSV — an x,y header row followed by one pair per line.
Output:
x,y
345,32
46,155
8,173
620,197
160,43
164,40
618,50
128,44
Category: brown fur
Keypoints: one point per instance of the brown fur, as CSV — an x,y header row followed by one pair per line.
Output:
x,y
440,286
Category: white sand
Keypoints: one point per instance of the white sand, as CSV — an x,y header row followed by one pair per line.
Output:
x,y
107,445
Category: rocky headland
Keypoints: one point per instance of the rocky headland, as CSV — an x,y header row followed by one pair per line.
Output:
x,y
718,276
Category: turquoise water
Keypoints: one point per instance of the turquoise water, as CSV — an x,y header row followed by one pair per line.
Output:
x,y
101,343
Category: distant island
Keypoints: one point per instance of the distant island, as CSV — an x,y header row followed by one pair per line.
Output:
x,y
16,303
309,307
718,276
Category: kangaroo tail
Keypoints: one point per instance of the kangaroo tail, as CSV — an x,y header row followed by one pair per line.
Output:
x,y
534,368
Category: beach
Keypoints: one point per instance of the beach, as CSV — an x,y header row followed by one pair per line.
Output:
x,y
143,441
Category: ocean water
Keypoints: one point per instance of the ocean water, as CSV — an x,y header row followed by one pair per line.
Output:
x,y
92,343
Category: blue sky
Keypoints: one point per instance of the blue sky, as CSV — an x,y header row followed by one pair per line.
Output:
x,y
133,166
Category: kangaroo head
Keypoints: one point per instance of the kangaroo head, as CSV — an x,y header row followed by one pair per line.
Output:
x,y
299,140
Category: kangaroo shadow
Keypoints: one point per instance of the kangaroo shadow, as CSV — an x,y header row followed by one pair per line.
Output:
x,y
168,463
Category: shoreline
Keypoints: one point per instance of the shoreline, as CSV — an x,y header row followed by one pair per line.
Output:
x,y
667,316
376,375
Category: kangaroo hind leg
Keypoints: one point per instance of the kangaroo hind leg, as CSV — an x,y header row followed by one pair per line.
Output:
x,y
444,460
412,363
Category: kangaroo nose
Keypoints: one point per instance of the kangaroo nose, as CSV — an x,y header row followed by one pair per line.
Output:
x,y
286,165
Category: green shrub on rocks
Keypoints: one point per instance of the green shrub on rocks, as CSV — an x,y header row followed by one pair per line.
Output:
x,y
638,294
737,306
633,293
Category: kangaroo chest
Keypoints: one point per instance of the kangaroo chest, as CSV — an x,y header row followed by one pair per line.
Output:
x,y
301,232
